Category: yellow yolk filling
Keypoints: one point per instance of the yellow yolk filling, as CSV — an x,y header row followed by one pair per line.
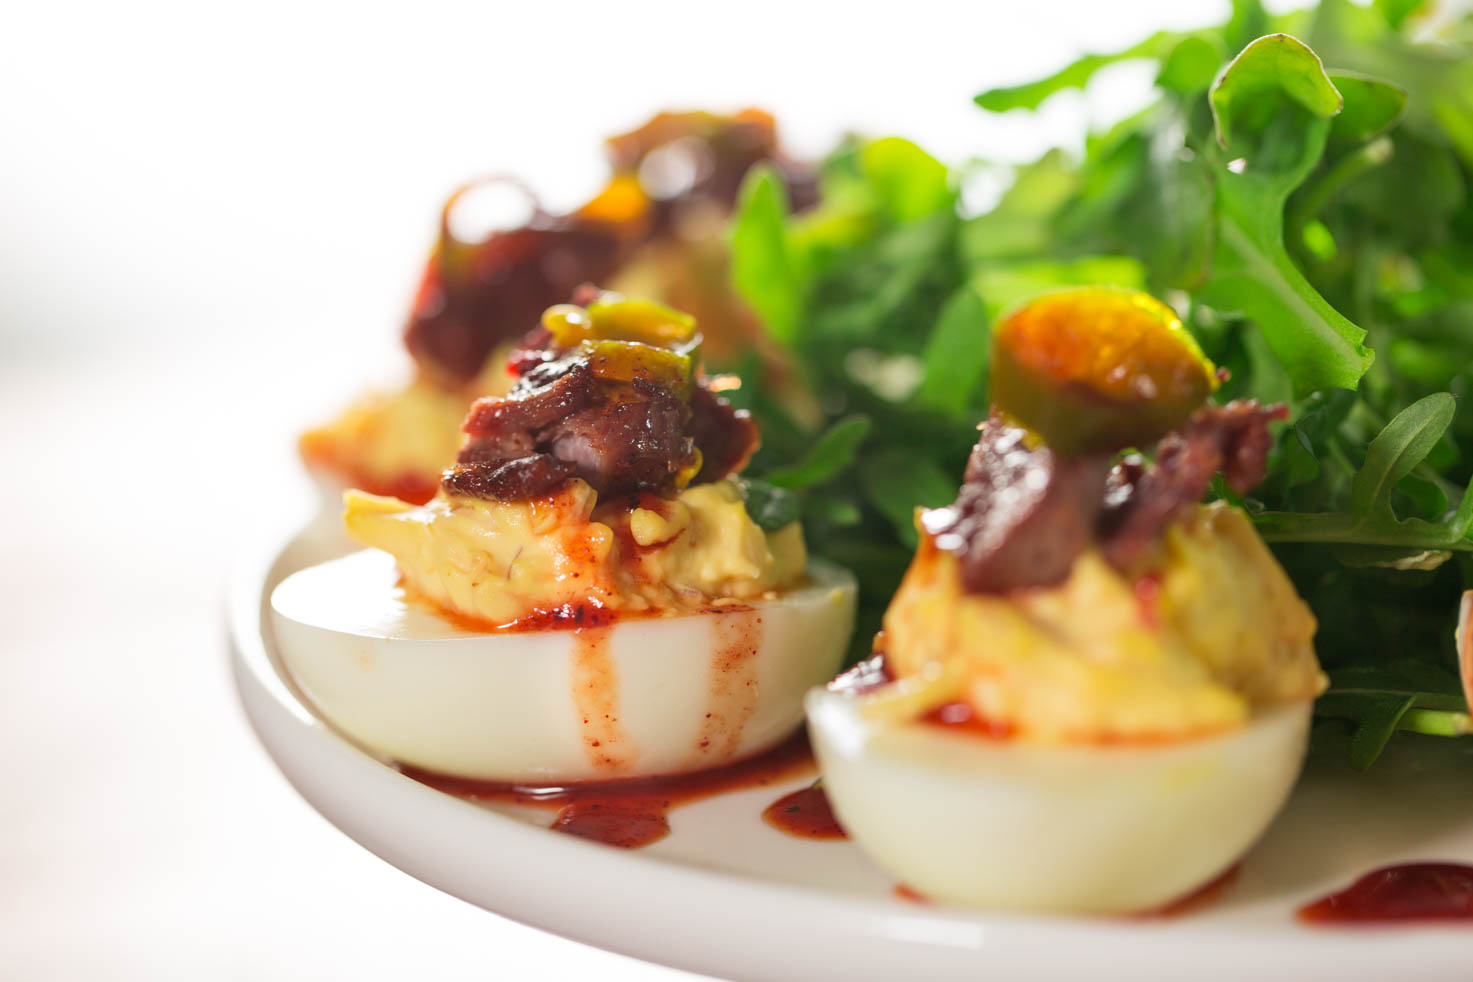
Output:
x,y
1213,633
498,561
385,437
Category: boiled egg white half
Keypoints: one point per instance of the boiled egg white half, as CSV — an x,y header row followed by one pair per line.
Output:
x,y
637,697
964,819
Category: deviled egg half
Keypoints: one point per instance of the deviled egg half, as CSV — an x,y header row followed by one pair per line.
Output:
x,y
657,228
586,597
1091,692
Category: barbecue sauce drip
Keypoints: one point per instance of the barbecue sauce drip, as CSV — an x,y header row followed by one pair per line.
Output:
x,y
805,814
596,697
1196,899
632,812
960,716
1411,892
625,823
733,689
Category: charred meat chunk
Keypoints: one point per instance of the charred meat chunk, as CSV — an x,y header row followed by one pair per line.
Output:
x,y
631,439
1023,512
727,437
519,478
1232,440
592,402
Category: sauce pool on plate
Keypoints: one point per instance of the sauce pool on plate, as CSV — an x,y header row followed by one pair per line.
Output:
x,y
632,812
805,814
1409,892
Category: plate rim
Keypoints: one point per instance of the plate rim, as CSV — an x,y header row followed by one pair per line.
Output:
x,y
852,937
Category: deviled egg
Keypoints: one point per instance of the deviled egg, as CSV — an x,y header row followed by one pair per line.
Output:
x,y
657,228
1096,691
586,597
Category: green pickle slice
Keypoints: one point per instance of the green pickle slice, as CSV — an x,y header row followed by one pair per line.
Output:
x,y
625,340
1098,369
613,318
625,361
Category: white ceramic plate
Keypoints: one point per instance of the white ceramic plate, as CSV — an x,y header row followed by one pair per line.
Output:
x,y
727,895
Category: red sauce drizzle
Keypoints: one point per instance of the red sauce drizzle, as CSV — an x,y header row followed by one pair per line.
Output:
x,y
733,694
626,823
1195,899
1148,600
961,715
1411,892
572,616
413,488
631,812
805,814
596,698
903,892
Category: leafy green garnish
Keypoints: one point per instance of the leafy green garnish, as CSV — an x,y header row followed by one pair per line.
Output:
x,y
1301,191
762,266
831,453
771,507
1272,107
1403,444
954,363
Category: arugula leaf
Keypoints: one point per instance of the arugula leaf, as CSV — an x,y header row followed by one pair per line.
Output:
x,y
1402,445
1271,108
1376,715
1005,285
771,507
833,451
1371,107
909,184
1438,78
1402,694
1075,75
1249,96
1298,216
898,480
1191,65
1020,226
954,364
762,262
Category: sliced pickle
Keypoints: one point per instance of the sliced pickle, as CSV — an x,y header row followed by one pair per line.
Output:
x,y
568,323
625,361
1098,369
618,319
613,318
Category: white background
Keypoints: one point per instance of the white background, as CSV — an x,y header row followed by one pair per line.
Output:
x,y
211,219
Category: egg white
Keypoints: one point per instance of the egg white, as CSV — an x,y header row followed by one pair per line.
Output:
x,y
964,819
683,692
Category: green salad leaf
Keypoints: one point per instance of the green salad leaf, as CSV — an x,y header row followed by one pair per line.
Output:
x,y
1272,107
1299,191
762,265
832,452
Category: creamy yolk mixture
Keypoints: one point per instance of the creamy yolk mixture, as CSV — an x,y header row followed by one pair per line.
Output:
x,y
387,438
500,561
1210,633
